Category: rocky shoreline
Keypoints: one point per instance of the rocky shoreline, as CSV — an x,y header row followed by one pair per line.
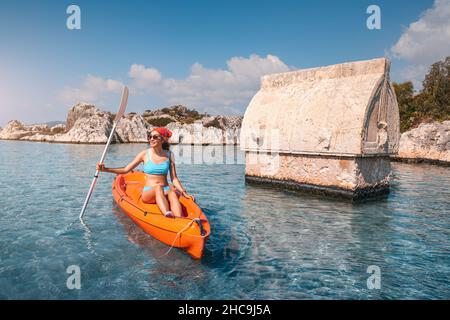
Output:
x,y
86,124
428,143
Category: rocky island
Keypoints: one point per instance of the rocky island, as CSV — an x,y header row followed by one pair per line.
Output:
x,y
428,142
87,124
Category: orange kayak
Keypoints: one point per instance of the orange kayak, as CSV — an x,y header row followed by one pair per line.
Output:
x,y
189,232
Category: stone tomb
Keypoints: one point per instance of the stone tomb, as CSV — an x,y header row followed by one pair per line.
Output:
x,y
328,129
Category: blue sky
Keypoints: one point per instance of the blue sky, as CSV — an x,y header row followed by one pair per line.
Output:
x,y
204,54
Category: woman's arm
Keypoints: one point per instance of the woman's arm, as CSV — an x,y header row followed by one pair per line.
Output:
x,y
133,164
175,181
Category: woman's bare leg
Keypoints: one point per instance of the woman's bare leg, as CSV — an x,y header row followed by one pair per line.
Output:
x,y
149,196
161,199
175,204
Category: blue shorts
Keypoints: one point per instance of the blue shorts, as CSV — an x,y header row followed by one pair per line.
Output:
x,y
148,188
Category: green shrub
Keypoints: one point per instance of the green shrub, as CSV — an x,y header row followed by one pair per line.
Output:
x,y
431,103
159,122
180,113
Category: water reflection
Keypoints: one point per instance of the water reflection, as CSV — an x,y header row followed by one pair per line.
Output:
x,y
170,274
265,243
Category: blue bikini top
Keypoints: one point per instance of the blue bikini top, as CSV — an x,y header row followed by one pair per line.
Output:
x,y
156,168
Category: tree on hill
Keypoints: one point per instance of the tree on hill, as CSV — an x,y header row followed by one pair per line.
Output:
x,y
431,103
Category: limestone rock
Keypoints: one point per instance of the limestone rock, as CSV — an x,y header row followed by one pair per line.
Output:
x,y
78,111
41,137
16,130
429,141
132,128
87,124
183,133
232,136
94,129
212,135
13,130
197,133
59,128
222,122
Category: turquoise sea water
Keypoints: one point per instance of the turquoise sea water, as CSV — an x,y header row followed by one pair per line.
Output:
x,y
265,243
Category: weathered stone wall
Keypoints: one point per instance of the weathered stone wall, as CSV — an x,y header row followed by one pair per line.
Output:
x,y
345,109
349,177
330,128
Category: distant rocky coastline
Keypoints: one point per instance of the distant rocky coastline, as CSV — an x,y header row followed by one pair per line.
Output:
x,y
88,125
429,142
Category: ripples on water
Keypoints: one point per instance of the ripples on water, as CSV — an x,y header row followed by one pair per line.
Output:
x,y
265,243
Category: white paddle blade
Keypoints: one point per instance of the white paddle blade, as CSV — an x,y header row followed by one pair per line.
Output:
x,y
123,104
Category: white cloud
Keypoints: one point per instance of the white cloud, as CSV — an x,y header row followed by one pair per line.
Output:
x,y
226,91
415,74
212,90
425,41
144,76
254,67
91,90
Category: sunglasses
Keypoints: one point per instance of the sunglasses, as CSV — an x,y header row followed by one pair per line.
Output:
x,y
153,137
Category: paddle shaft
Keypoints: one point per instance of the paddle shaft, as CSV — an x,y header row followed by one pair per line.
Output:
x,y
94,181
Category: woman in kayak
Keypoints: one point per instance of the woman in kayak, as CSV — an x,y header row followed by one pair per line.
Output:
x,y
158,161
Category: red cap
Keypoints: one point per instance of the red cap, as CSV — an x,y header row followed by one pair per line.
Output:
x,y
163,131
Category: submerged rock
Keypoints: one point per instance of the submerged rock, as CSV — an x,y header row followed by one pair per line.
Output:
x,y
428,142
